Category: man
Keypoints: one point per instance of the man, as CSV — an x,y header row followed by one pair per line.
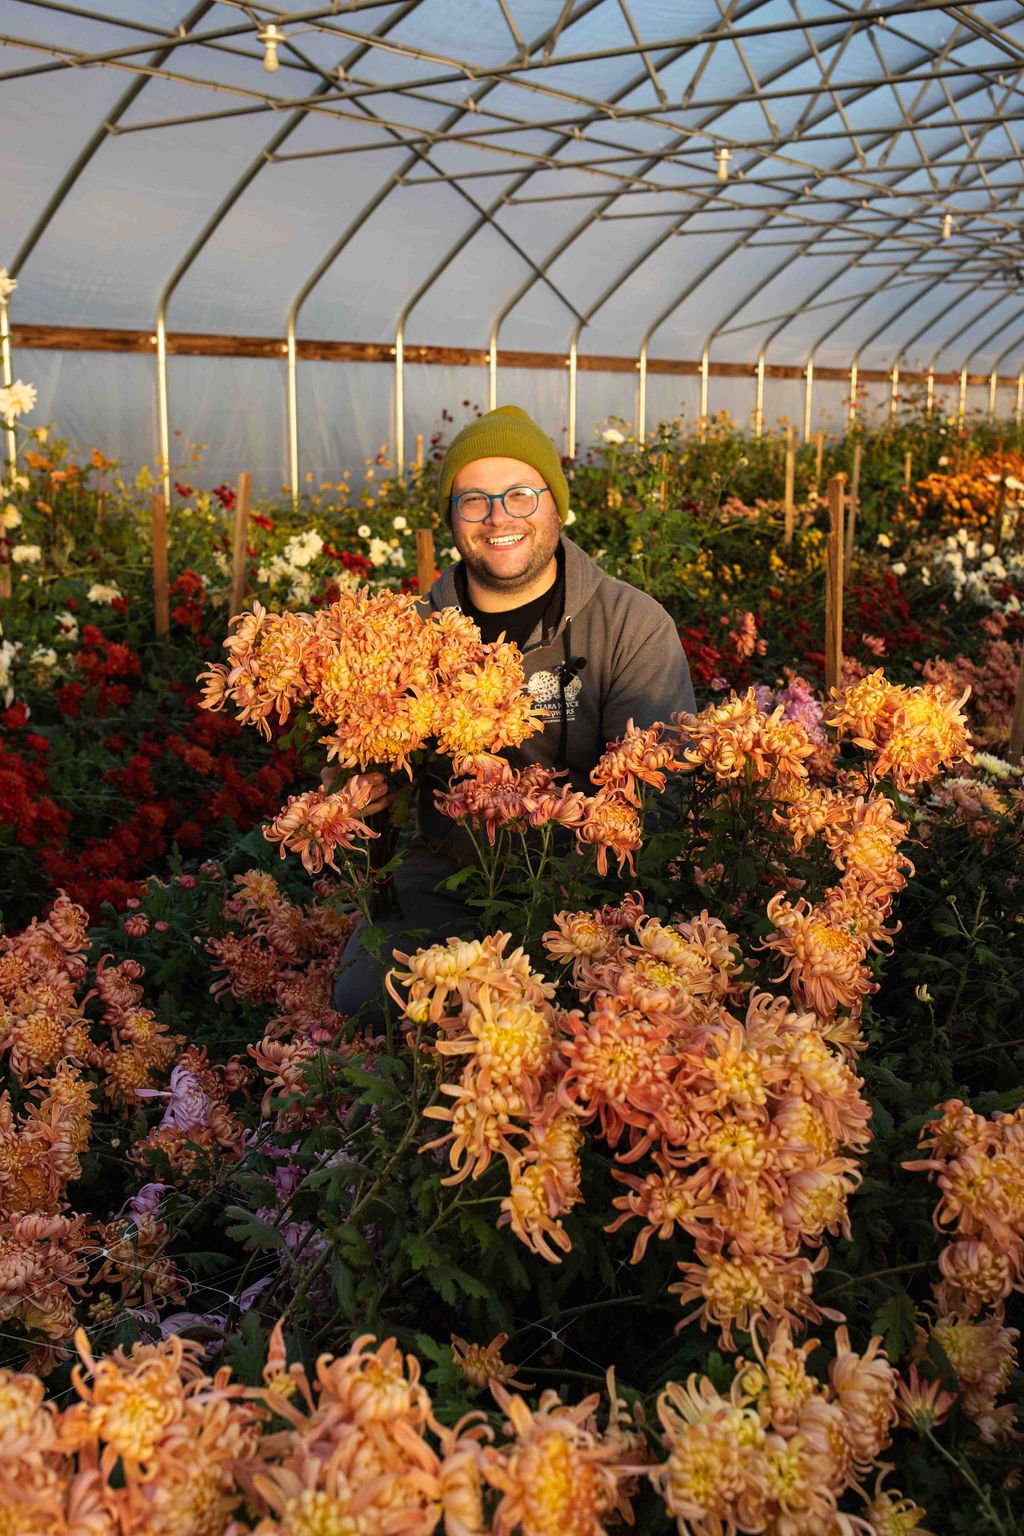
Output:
x,y
597,652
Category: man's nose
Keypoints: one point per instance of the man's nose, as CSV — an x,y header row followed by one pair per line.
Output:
x,y
497,513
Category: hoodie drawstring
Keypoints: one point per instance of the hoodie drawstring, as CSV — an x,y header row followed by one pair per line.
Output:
x,y
570,667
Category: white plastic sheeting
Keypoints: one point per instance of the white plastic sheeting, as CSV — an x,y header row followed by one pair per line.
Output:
x,y
468,173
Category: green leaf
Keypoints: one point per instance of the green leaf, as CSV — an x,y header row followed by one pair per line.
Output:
x,y
894,1320
252,1231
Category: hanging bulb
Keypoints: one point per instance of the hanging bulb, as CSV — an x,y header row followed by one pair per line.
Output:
x,y
947,225
723,157
271,37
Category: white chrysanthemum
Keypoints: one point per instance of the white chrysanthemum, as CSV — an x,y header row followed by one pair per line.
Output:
x,y
302,549
380,552
67,625
898,568
8,652
44,656
16,399
98,593
613,435
399,524
884,541
995,767
364,530
12,517
26,554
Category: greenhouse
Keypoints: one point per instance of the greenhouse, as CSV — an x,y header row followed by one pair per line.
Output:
x,y
511,768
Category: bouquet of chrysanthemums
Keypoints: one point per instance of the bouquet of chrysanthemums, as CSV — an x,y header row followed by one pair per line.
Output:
x,y
381,687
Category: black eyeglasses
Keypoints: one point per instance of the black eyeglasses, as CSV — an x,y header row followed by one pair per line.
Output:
x,y
518,501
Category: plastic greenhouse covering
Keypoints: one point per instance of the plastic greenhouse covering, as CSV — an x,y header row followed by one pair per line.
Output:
x,y
295,234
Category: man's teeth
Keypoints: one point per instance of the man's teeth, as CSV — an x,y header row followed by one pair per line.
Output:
x,y
512,538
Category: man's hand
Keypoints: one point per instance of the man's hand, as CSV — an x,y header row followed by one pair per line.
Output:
x,y
382,795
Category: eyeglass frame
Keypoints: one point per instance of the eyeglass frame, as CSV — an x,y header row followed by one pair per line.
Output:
x,y
538,491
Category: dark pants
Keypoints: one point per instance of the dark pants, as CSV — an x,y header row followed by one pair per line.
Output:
x,y
421,916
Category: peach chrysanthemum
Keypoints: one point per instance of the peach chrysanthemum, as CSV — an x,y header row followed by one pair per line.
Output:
x,y
737,738
983,1354
825,964
481,1364
913,732
557,1478
611,825
317,823
865,1390
640,756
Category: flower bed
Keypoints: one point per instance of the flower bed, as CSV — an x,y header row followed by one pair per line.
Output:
x,y
693,1180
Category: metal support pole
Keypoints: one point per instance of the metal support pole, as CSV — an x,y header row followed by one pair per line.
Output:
x,y
641,396
894,396
853,393
704,391
399,351
492,373
759,398
1020,397
929,403
961,409
570,446
993,385
293,412
162,409
808,397
8,380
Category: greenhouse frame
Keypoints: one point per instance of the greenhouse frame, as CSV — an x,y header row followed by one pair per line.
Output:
x,y
287,233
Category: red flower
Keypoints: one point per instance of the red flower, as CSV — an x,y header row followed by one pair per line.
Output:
x,y
226,496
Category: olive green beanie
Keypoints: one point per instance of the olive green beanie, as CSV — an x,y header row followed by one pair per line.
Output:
x,y
507,433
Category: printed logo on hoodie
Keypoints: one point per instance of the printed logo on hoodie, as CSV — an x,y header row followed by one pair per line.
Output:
x,y
544,689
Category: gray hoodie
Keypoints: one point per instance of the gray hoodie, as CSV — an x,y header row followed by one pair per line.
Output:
x,y
612,655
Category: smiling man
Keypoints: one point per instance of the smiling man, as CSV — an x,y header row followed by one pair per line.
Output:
x,y
597,652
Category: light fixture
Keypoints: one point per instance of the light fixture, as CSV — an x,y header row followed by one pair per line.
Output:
x,y
947,225
723,157
271,37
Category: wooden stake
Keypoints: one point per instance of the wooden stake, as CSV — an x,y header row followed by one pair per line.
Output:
x,y
5,579
1017,728
243,496
906,473
419,450
854,506
788,502
424,560
1001,504
834,584
161,601
820,440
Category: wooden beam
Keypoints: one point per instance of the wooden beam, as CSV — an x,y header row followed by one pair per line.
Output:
x,y
79,338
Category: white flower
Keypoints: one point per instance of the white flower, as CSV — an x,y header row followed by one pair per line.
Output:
x,y
7,285
970,549
1013,484
26,554
44,656
613,435
19,483
16,399
898,568
364,530
399,524
962,535
884,541
451,554
12,517
922,994
926,577
220,560
570,518
380,552
397,557
8,651
302,548
943,461
67,624
995,767
98,593
988,549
